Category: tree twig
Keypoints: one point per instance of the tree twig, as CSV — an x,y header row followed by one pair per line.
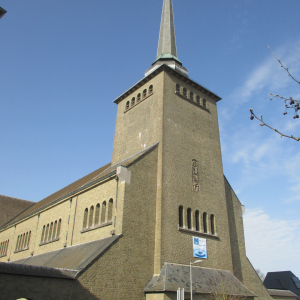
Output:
x,y
265,124
283,66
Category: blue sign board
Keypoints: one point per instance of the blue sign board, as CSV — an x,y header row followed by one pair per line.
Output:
x,y
199,247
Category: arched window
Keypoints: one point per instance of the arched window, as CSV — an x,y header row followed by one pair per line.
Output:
x,y
132,101
180,216
97,213
58,229
204,103
103,212
50,232
54,230
6,246
212,224
127,104
198,100
184,92
205,222
91,216
47,232
144,93
177,88
151,89
28,240
1,248
110,210
138,97
189,218
43,234
85,217
197,220
192,96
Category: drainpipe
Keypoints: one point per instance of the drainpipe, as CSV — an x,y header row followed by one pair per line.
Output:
x,y
74,221
37,224
12,244
65,244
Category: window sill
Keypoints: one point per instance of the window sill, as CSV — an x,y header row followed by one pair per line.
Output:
x,y
24,249
3,255
198,233
48,242
137,103
96,227
191,101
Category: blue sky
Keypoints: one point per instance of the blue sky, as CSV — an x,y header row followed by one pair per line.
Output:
x,y
63,63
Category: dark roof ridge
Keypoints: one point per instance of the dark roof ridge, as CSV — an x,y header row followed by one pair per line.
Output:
x,y
16,198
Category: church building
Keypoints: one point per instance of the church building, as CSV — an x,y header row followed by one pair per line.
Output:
x,y
140,226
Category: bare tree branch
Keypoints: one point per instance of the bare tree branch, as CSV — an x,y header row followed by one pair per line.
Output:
x,y
284,66
265,124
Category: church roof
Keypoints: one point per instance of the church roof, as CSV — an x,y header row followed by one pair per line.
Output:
x,y
79,185
63,263
205,281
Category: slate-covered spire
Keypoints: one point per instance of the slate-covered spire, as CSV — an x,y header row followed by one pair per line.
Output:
x,y
166,52
167,40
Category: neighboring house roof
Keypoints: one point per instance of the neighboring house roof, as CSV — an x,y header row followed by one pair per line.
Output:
x,y
284,280
81,184
281,293
11,207
205,281
63,263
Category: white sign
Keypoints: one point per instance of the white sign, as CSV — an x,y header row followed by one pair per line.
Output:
x,y
199,247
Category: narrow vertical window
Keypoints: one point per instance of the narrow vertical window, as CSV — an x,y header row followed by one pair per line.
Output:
x,y
1,248
184,92
97,213
91,216
178,88
43,233
212,224
7,247
189,218
50,232
25,241
204,103
138,97
85,217
198,100
132,101
22,241
47,232
197,220
180,216
110,210
103,212
28,240
17,243
127,104
58,229
54,230
205,222
151,89
192,96
144,93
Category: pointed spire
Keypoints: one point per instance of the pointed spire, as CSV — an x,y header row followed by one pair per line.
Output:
x,y
166,52
167,40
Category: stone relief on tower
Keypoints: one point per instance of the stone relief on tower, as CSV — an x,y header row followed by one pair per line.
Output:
x,y
195,175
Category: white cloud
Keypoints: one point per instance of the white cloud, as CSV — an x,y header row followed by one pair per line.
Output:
x,y
272,244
